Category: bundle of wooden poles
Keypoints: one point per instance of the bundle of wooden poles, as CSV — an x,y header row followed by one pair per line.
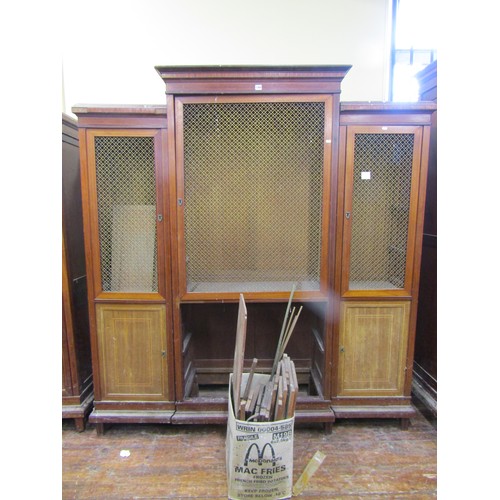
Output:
x,y
274,399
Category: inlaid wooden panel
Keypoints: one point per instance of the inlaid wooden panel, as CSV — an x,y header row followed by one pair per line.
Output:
x,y
373,345
132,351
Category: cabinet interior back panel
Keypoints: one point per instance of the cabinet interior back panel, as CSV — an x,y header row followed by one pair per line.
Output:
x,y
253,183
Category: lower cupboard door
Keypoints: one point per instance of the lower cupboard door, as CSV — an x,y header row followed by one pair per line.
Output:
x,y
132,351
373,348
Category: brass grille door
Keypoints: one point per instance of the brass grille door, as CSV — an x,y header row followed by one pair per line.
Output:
x,y
254,188
381,196
125,178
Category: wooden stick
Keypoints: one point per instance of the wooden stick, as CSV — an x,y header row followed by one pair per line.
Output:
x,y
286,382
285,391
272,410
290,319
278,415
250,378
289,332
258,405
276,358
241,411
250,406
239,353
282,340
266,402
310,469
296,389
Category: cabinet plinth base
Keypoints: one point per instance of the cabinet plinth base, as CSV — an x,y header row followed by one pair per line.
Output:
x,y
200,417
323,415
401,412
78,412
191,415
184,417
131,416
366,411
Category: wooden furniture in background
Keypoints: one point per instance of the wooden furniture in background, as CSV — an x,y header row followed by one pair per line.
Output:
x,y
425,364
77,394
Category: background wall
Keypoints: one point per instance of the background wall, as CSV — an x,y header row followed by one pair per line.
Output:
x,y
115,45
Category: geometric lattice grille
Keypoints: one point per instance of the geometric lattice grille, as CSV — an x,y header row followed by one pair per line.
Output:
x,y
253,180
380,210
126,197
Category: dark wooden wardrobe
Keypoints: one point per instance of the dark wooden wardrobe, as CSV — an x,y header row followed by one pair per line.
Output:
x,y
425,364
77,394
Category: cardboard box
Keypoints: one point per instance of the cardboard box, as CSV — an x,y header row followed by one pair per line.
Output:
x,y
259,455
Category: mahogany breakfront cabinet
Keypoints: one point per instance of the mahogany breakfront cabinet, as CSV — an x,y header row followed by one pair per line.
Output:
x,y
252,180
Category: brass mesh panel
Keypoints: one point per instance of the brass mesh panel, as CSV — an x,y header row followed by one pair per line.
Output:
x,y
126,197
380,210
253,195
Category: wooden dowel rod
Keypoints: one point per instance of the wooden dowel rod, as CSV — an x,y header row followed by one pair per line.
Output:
x,y
289,333
276,359
250,378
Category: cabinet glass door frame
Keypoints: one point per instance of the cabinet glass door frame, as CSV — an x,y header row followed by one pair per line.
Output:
x,y
347,215
99,293
328,145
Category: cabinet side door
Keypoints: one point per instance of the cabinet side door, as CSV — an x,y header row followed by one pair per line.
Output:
x,y
373,346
